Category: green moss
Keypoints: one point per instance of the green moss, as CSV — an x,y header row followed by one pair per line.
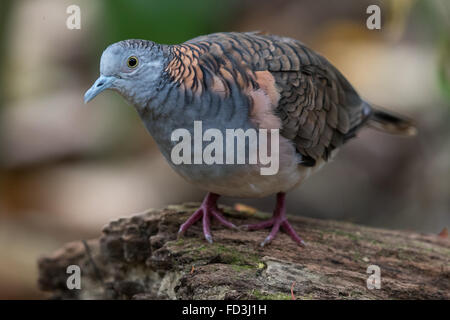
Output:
x,y
374,242
357,257
197,249
427,248
349,235
236,257
270,296
179,242
355,294
240,268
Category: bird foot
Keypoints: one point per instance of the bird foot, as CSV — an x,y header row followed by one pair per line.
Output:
x,y
207,210
275,223
278,220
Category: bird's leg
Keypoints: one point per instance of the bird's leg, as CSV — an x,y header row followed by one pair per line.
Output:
x,y
278,220
207,209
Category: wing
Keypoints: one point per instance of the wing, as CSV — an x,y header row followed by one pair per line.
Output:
x,y
318,107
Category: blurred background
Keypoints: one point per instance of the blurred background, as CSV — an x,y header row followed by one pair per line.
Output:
x,y
66,168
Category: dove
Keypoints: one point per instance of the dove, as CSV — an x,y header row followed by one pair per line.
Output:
x,y
241,81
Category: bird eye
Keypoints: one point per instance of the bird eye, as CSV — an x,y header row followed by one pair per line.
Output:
x,y
132,62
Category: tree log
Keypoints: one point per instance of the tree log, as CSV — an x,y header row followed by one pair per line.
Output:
x,y
140,257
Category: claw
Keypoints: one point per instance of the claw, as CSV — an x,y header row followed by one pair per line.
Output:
x,y
208,238
278,220
267,240
207,210
243,227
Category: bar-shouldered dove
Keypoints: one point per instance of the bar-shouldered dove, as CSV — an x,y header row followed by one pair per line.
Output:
x,y
242,81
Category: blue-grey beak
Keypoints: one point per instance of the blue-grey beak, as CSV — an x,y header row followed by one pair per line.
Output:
x,y
102,83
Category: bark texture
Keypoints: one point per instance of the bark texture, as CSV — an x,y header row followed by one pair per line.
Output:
x,y
141,258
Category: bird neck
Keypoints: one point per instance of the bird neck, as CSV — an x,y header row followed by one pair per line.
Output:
x,y
144,93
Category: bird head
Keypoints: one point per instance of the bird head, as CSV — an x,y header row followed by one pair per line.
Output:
x,y
130,67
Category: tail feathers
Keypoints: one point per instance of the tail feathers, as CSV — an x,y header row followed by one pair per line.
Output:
x,y
389,122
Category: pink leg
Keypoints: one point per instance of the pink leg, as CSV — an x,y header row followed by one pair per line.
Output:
x,y
207,209
278,220
259,226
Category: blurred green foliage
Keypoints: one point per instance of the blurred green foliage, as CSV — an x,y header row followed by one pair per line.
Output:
x,y
5,9
436,16
168,21
175,21
444,66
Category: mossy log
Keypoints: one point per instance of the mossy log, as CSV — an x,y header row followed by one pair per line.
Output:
x,y
140,257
